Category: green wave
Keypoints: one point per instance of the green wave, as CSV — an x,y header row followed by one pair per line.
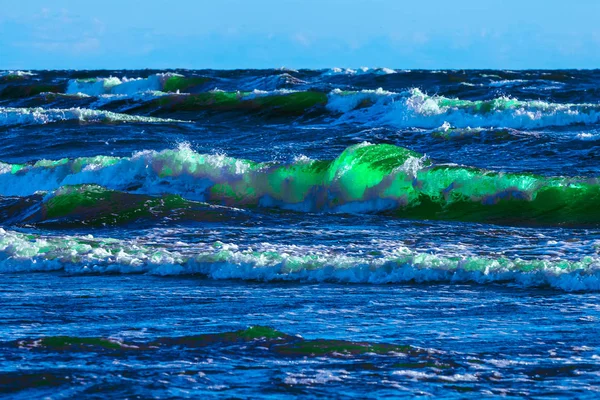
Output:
x,y
94,205
28,90
287,103
275,341
176,83
386,178
365,178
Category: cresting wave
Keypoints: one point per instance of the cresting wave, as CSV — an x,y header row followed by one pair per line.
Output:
x,y
14,76
417,109
365,178
164,82
271,262
38,116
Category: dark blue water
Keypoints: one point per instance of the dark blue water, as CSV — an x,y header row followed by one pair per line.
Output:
x,y
279,233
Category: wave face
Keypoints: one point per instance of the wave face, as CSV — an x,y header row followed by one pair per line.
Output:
x,y
365,178
280,102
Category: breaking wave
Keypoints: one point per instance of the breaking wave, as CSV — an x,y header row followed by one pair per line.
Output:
x,y
21,252
165,82
417,109
365,178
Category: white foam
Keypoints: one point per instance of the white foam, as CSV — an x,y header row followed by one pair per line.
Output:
x,y
17,73
188,172
416,109
39,116
265,93
269,83
118,86
137,97
276,262
588,136
359,71
508,82
347,101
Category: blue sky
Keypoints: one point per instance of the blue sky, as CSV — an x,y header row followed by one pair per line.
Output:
x,y
310,33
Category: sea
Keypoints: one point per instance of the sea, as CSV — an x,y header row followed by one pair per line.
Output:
x,y
368,233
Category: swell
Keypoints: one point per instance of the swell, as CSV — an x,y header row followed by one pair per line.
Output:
x,y
276,342
20,252
282,102
365,178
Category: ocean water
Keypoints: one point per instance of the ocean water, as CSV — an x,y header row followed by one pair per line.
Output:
x,y
368,233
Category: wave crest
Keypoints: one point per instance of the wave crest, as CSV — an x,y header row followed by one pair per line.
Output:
x,y
417,109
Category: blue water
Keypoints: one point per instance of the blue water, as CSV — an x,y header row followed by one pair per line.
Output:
x,y
281,233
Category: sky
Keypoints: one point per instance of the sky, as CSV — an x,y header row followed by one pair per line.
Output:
x,y
429,34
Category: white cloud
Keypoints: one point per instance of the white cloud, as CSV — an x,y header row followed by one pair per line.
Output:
x,y
301,39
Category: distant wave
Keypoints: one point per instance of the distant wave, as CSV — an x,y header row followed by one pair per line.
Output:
x,y
15,76
166,82
278,102
410,109
17,73
359,71
417,109
38,116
